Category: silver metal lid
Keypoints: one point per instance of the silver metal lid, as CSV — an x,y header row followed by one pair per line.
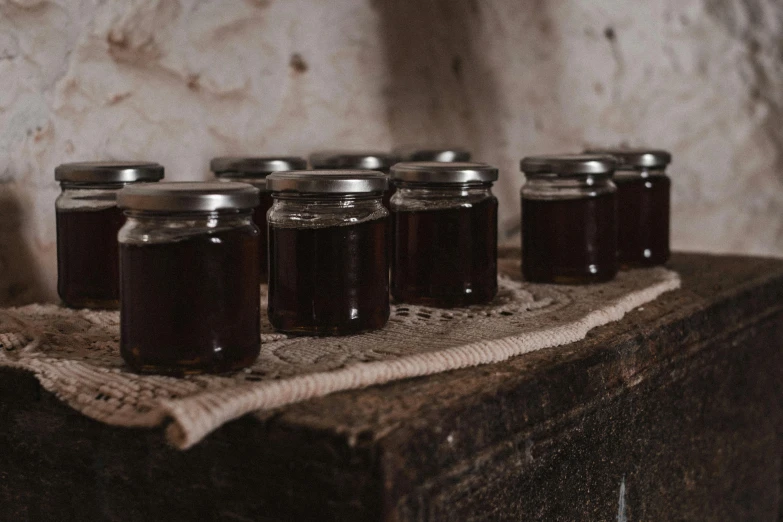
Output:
x,y
436,172
188,196
109,172
352,160
328,181
440,154
569,164
628,159
246,167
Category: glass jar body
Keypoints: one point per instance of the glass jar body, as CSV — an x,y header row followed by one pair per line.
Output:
x,y
445,248
569,229
88,221
259,218
189,291
643,210
328,268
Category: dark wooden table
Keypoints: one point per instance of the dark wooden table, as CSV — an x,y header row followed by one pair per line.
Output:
x,y
673,413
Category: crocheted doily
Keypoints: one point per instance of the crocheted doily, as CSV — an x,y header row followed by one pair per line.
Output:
x,y
75,354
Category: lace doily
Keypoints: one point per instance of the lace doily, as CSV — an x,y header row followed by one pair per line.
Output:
x,y
75,354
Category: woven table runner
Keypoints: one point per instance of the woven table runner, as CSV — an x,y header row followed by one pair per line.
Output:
x,y
75,354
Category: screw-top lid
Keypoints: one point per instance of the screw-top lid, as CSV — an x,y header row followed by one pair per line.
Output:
x,y
188,196
628,159
569,164
440,154
328,181
352,160
436,172
109,171
246,167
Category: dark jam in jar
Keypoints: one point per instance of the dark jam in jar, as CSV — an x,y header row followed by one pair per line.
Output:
x,y
191,306
445,221
87,258
569,241
447,257
88,221
189,278
329,281
328,267
643,220
569,219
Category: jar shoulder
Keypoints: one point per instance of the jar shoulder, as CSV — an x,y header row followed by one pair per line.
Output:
x,y
427,199
86,199
566,188
162,229
311,214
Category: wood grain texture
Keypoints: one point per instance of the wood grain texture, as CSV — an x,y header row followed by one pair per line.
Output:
x,y
678,405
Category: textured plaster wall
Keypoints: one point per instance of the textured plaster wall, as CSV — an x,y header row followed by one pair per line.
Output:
x,y
180,81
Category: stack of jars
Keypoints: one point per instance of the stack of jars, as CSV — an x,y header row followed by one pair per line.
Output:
x,y
184,261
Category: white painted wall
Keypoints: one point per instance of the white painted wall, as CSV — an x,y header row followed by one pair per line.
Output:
x,y
180,81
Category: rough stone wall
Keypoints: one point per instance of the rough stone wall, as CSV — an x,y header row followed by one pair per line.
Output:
x,y
180,81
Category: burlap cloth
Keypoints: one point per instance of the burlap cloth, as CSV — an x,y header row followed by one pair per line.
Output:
x,y
74,353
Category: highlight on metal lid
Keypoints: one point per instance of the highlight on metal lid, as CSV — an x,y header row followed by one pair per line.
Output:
x,y
569,164
440,154
437,172
254,166
109,171
328,181
188,196
628,158
369,160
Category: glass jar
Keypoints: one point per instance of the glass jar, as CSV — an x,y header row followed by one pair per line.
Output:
x,y
569,223
446,224
88,221
328,272
439,154
643,193
189,277
254,170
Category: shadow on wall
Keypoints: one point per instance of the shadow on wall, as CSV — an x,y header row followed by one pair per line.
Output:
x,y
20,280
441,89
447,61
757,28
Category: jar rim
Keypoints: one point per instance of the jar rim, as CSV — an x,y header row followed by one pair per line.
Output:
x,y
630,159
109,171
568,165
254,166
334,182
444,173
400,184
346,159
437,154
188,196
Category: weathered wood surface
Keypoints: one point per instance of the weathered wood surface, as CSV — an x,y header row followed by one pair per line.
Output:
x,y
673,413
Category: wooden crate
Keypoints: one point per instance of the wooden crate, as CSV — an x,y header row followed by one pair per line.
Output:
x,y
673,413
